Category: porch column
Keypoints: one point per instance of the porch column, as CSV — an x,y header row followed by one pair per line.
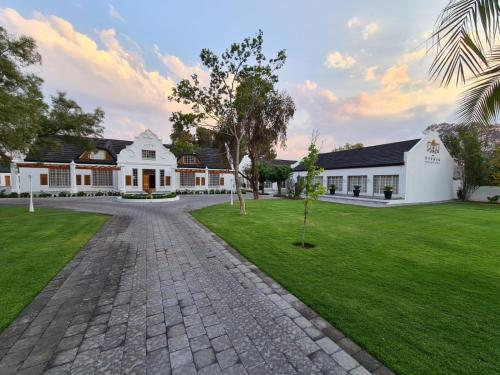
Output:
x,y
72,172
121,179
15,178
173,173
206,178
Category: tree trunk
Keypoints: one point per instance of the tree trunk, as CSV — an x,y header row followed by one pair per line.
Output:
x,y
279,188
254,177
236,165
306,211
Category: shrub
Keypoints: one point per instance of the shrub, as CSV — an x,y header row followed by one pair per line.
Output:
x,y
388,188
99,194
81,194
24,195
212,191
13,195
147,196
493,199
2,193
44,195
64,194
460,194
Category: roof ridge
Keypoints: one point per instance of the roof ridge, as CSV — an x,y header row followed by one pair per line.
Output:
x,y
365,147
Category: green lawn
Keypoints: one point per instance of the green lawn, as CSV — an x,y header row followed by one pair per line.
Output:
x,y
417,286
34,248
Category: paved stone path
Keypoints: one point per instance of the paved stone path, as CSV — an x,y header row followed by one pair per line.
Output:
x,y
156,293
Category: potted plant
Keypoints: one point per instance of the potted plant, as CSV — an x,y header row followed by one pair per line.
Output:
x,y
357,190
388,191
332,189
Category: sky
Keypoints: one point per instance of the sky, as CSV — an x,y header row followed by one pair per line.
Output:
x,y
357,71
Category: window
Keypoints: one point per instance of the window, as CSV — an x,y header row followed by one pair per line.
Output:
x,y
380,181
213,180
337,181
221,181
134,176
162,177
98,155
167,180
102,177
44,179
189,159
86,179
318,180
357,180
268,185
78,179
128,180
59,178
187,179
149,154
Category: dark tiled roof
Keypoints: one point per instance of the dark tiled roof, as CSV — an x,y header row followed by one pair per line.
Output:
x,y
212,158
277,162
371,156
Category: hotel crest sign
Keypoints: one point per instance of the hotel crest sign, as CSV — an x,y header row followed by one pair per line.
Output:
x,y
432,156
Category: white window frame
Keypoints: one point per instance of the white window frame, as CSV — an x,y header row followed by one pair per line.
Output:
x,y
98,155
318,180
59,178
187,179
338,181
357,180
189,159
213,180
162,177
135,177
379,181
148,154
102,177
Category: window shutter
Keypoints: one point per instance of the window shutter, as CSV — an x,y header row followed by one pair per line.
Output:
x,y
128,180
167,180
43,179
197,181
7,180
78,179
203,181
87,179
221,181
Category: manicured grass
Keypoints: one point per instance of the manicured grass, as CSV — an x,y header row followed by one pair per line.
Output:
x,y
34,248
417,286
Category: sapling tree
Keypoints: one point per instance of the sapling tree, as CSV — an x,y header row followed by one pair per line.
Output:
x,y
312,189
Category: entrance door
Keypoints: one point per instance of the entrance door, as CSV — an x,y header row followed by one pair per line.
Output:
x,y
148,179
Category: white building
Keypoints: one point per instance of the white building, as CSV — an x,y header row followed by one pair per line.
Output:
x,y
268,185
419,170
117,165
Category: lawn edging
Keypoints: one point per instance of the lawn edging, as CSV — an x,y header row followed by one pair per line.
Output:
x,y
361,355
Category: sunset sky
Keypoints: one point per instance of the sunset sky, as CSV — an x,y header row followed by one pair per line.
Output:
x,y
357,70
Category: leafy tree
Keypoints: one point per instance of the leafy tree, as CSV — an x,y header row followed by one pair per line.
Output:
x,y
182,139
467,48
349,146
26,122
214,104
265,173
265,114
466,147
205,137
495,167
281,174
312,190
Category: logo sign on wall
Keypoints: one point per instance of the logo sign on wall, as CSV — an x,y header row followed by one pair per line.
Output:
x,y
432,156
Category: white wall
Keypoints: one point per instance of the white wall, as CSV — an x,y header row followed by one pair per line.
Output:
x,y
429,176
369,172
131,158
483,192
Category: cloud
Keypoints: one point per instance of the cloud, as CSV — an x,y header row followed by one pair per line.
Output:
x,y
114,13
178,69
413,56
353,22
335,60
371,73
110,77
369,30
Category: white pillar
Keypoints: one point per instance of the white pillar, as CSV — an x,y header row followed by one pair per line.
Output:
x,y
72,171
173,178
121,179
31,209
206,178
14,178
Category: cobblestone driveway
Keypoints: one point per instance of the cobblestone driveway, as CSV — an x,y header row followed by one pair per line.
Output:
x,y
156,293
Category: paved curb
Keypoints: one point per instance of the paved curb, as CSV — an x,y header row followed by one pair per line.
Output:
x,y
367,363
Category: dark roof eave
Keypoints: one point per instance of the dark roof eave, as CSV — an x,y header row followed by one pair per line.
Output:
x,y
298,169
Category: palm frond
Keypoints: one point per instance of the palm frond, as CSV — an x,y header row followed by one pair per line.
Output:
x,y
464,33
480,103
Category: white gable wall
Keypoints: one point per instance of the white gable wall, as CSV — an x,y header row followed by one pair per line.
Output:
x,y
429,171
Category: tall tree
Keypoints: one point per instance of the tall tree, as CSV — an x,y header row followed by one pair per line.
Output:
x,y
312,189
213,104
467,49
281,174
465,145
349,146
494,166
26,122
205,137
182,139
265,114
